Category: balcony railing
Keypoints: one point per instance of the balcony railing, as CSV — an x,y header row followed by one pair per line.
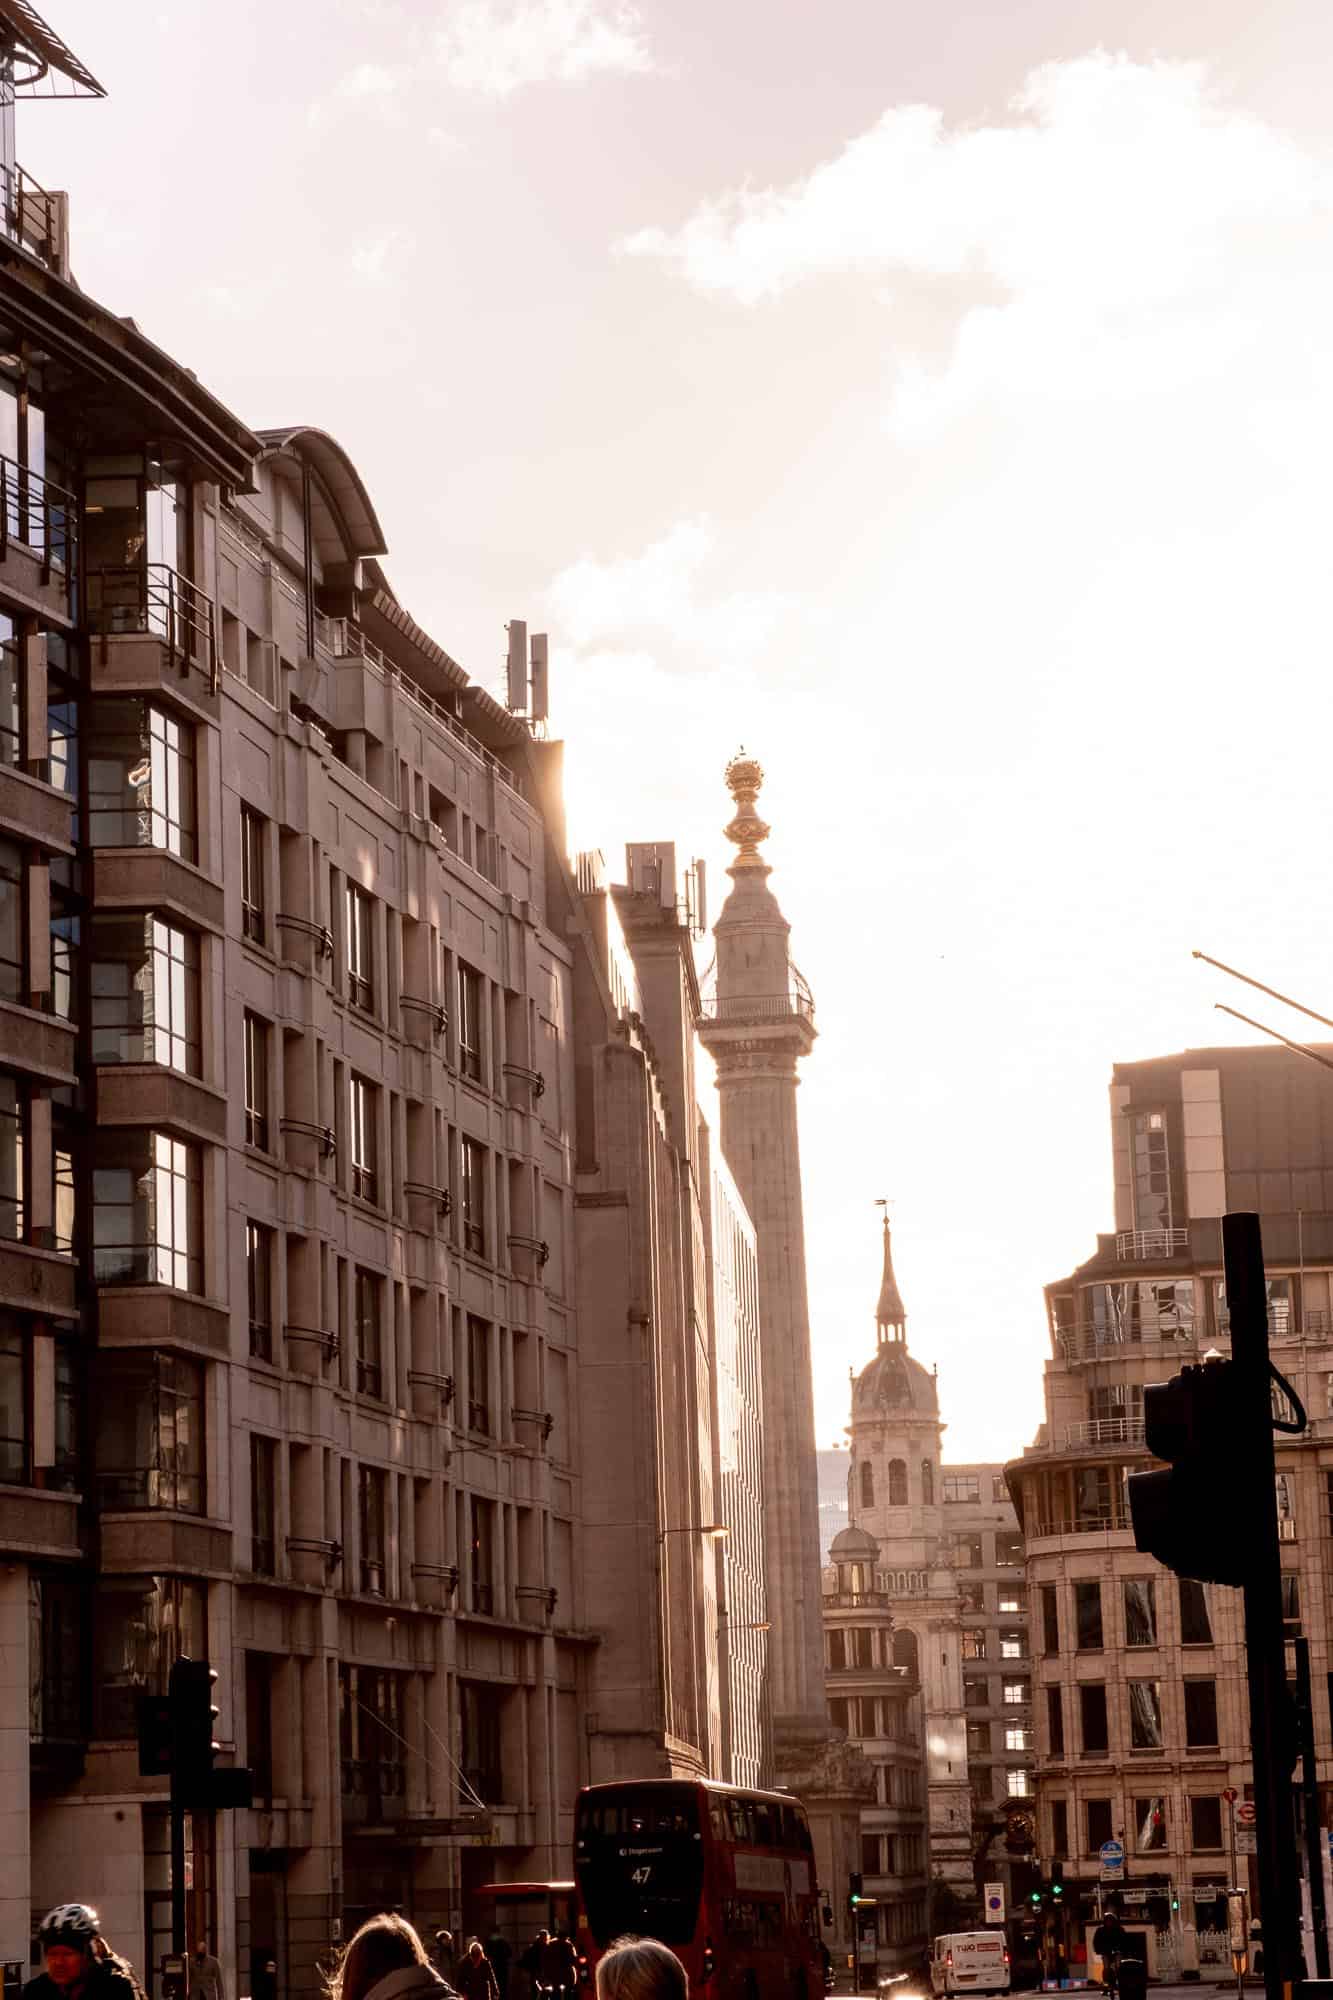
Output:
x,y
1136,1246
757,1007
1104,1430
154,598
1097,1343
1114,1522
38,515
32,216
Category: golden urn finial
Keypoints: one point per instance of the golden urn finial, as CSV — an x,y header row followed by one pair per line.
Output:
x,y
745,777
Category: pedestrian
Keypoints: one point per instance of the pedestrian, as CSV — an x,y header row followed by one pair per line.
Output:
x,y
475,1976
205,1975
1108,1942
557,1964
641,1969
263,1976
386,1960
78,1963
498,1952
444,1952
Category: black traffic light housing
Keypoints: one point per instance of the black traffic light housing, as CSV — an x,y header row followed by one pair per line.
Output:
x,y
855,1891
1193,1517
176,1738
1057,1880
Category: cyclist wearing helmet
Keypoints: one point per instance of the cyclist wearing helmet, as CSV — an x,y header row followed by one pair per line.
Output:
x,y
79,1965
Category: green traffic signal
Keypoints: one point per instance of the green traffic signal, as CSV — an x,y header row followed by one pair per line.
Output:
x,y
1057,1890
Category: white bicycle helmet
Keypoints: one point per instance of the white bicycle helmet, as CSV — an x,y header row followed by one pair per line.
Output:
x,y
71,1924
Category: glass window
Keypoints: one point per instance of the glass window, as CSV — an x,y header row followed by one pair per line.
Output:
x,y
369,1339
1008,1551
11,694
471,994
1018,1784
14,1435
473,1159
1015,1693
1092,1717
897,1483
978,1739
960,1488
974,1645
256,1034
1010,1598
371,1512
13,957
144,987
1205,1825
141,782
927,1483
976,1691
1016,1735
360,948
141,1624
263,1505
1097,1823
259,1288
365,1140
1145,1715
867,1483
150,1443
253,900
1060,1826
64,1187
1088,1615
968,1552
372,1738
1291,1605
1200,1714
68,1471
147,1211
482,1563
1140,1599
1152,1171
1149,1824
14,1113
57,1640
1012,1646
481,1716
1055,1721
1195,1625
479,1375
65,929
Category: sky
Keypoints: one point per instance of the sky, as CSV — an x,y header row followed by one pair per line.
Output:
x,y
935,400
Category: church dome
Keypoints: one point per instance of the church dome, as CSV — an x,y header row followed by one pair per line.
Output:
x,y
854,1545
894,1381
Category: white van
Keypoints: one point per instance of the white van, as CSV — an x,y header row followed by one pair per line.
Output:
x,y
969,1962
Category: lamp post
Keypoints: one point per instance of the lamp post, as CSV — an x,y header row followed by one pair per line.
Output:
x,y
713,1531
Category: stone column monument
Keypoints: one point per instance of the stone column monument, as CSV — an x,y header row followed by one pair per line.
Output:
x,y
757,1023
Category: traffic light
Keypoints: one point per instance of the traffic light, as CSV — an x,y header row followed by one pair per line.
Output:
x,y
176,1739
855,1885
1193,1518
1036,1898
1057,1880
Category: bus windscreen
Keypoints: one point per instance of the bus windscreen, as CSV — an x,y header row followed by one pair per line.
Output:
x,y
641,1864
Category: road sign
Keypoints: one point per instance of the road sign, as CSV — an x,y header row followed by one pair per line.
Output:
x,y
1231,1795
1245,1813
1113,1860
1247,1840
994,1902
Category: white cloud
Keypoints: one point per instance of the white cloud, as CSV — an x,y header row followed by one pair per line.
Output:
x,y
662,593
375,259
497,49
1125,227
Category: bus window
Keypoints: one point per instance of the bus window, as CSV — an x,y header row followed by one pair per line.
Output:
x,y
739,1822
717,1819
764,1833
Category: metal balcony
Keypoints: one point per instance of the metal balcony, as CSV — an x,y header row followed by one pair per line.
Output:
x,y
1143,1246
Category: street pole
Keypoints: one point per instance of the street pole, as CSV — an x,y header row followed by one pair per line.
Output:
x,y
1271,1738
856,1947
1314,1843
177,1872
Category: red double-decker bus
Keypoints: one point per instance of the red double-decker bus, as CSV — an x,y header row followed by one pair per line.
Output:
x,y
724,1876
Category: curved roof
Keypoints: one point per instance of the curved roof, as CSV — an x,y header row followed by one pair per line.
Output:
x,y
854,1545
893,1381
343,521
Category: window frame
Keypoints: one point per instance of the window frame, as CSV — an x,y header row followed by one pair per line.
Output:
x,y
259,1243
363,1132
254,902
257,1042
359,946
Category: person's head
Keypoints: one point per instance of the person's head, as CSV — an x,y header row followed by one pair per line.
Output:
x,y
474,1950
641,1969
445,1940
382,1945
67,1936
201,1949
543,1937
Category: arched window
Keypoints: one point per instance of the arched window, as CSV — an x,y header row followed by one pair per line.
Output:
x,y
905,1652
867,1483
897,1483
927,1483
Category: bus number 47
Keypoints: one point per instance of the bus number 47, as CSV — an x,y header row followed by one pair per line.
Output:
x,y
641,1876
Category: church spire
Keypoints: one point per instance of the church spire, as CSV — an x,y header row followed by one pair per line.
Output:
x,y
890,1313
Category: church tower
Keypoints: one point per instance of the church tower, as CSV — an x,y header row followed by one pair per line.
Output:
x,y
895,1492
